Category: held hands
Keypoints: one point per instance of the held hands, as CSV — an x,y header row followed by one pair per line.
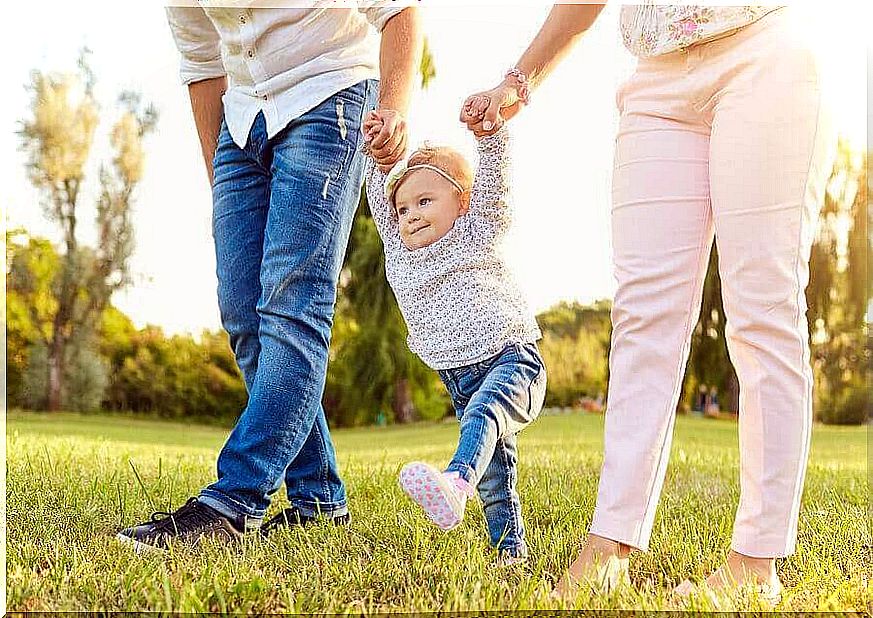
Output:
x,y
385,136
485,112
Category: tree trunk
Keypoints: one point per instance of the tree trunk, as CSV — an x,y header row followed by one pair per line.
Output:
x,y
55,373
732,398
402,404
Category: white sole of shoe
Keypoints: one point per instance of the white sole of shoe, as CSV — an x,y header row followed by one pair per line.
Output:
x,y
430,490
138,546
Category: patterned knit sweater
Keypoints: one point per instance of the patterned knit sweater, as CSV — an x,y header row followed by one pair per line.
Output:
x,y
458,297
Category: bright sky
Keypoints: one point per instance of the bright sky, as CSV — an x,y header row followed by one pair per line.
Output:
x,y
563,143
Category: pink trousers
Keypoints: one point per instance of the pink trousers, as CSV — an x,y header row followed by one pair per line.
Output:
x,y
720,140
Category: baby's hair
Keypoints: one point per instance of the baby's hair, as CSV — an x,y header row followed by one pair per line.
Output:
x,y
448,160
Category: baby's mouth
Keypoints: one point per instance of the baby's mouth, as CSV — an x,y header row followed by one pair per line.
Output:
x,y
418,229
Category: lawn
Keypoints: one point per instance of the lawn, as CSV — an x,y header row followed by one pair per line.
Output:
x,y
73,480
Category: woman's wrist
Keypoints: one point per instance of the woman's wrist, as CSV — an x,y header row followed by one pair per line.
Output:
x,y
518,80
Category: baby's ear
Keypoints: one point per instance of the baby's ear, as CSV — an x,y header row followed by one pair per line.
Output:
x,y
464,199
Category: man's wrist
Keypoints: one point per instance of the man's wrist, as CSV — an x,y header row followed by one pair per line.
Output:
x,y
391,106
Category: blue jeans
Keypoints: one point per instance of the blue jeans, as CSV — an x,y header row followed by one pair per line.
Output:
x,y
283,210
494,400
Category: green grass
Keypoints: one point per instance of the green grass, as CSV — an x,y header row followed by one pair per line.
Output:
x,y
71,483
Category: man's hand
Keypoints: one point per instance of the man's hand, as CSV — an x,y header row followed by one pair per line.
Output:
x,y
385,133
399,59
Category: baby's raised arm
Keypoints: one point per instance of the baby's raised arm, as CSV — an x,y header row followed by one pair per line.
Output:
x,y
380,207
489,199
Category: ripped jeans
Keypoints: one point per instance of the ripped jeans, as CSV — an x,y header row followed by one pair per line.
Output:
x,y
494,400
283,210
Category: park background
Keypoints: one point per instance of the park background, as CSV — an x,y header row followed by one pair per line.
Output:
x,y
109,260
115,359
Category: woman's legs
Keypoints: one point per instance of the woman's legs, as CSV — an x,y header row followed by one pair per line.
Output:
x,y
662,234
765,149
758,91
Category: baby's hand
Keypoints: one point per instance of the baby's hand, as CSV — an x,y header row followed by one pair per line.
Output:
x,y
385,136
475,108
372,125
473,113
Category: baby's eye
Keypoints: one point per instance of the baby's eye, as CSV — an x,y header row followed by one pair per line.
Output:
x,y
424,201
401,212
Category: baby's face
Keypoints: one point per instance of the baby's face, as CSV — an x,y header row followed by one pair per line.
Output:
x,y
427,205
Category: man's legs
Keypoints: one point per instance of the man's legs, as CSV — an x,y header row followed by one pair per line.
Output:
x,y
316,175
241,196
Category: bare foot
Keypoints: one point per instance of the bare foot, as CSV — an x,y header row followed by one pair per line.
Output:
x,y
602,562
740,571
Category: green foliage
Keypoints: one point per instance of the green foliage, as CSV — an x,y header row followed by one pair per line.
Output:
x,y
839,293
57,139
28,288
112,365
575,348
171,377
708,361
34,379
850,406
85,380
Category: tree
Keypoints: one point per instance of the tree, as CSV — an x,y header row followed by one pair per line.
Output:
x,y
373,367
708,360
839,293
58,139
575,348
33,262
32,268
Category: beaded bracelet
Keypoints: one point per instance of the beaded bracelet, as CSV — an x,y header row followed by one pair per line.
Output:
x,y
522,86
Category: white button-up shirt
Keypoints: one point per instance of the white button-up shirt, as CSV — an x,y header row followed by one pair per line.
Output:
x,y
282,62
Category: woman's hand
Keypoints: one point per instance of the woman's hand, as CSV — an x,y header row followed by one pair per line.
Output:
x,y
485,112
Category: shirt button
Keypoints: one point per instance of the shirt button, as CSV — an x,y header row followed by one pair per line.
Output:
x,y
242,19
250,53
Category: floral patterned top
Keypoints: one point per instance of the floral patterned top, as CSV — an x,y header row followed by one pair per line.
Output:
x,y
654,29
458,296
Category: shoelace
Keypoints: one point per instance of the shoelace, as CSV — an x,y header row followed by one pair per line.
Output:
x,y
188,516
290,516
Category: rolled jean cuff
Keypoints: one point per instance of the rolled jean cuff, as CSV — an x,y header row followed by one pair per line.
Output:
x,y
465,471
314,508
516,550
231,509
